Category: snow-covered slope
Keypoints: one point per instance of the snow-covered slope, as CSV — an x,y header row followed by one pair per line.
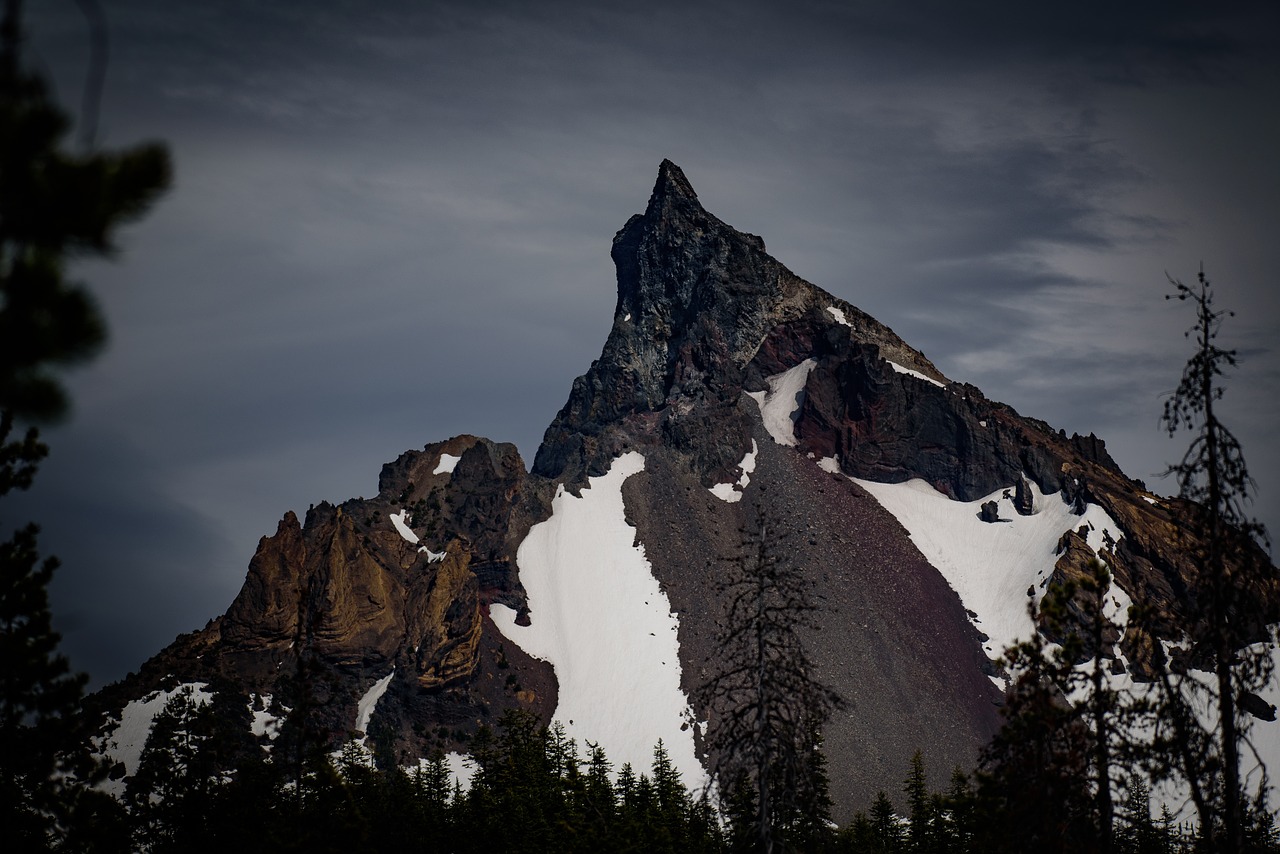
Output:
x,y
601,619
994,566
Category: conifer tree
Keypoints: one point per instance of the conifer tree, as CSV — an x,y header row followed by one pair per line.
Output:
x,y
921,818
170,792
1232,598
53,205
886,832
1034,773
767,706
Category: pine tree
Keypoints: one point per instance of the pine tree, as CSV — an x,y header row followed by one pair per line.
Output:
x,y
961,812
52,205
766,705
1035,772
921,818
169,793
1232,598
886,832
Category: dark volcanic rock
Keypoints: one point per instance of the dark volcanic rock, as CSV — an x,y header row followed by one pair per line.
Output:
x,y
695,299
1258,707
989,511
895,641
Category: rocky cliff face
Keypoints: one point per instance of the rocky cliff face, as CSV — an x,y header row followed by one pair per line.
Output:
x,y
742,386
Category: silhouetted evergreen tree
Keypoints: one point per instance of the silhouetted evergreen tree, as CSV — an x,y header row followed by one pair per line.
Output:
x,y
170,792
53,205
1035,772
766,705
886,831
1232,597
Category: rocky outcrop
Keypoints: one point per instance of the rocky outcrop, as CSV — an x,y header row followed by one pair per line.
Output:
x,y
695,298
443,621
347,597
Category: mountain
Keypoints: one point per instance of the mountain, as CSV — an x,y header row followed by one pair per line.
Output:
x,y
922,513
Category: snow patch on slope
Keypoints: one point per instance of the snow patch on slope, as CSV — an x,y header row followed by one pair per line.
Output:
x,y
992,565
369,702
603,622
732,492
902,370
779,405
400,520
838,314
402,526
448,462
462,768
263,722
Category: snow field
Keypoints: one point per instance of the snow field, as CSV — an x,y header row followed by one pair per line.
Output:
x,y
365,708
369,702
448,462
838,314
991,565
462,768
402,527
603,622
264,723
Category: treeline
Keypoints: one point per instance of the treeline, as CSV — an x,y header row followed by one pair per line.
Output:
x,y
534,790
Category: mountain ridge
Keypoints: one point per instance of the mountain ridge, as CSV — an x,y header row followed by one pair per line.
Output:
x,y
718,359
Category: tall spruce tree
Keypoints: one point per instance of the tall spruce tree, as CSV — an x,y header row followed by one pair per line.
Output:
x,y
54,206
1233,592
767,705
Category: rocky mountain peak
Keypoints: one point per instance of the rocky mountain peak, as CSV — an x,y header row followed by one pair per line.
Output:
x,y
671,189
696,298
743,387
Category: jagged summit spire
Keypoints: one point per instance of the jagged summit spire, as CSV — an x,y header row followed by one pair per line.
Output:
x,y
673,198
672,183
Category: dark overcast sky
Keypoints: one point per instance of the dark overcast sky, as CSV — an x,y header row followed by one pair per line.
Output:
x,y
392,226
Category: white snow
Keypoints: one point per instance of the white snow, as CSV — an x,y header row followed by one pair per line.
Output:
x,y
603,622
991,565
369,702
726,492
365,707
462,768
1149,499
125,742
398,519
900,369
448,462
263,723
831,464
779,405
732,492
628,317
838,314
